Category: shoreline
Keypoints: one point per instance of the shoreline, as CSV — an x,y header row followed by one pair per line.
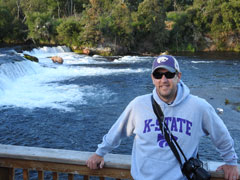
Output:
x,y
96,51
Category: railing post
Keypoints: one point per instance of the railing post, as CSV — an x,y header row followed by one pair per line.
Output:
x,y
40,175
25,174
6,173
70,177
85,177
55,175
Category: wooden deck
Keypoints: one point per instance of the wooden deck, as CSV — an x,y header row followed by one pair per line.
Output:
x,y
55,161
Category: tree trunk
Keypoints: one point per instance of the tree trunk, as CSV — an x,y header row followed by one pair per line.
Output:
x,y
18,9
71,7
58,9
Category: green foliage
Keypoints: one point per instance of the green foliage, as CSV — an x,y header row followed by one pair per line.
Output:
x,y
18,33
68,31
91,34
131,24
41,27
238,108
149,23
133,5
31,58
182,38
10,5
115,24
178,5
231,15
5,23
219,19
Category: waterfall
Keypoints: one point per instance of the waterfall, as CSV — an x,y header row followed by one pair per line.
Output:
x,y
11,71
45,49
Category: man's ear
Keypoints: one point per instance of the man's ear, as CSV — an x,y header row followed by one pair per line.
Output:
x,y
179,75
152,79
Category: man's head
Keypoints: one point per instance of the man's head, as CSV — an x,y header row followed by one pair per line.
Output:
x,y
165,76
166,62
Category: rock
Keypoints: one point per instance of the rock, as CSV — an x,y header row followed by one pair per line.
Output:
x,y
226,101
31,58
57,59
238,108
164,53
219,110
86,51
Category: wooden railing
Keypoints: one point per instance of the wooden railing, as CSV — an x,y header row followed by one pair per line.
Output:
x,y
71,163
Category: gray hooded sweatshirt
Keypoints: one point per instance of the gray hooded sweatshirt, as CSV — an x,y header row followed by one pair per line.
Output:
x,y
188,118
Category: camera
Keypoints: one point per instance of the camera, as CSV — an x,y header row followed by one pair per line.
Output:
x,y
193,170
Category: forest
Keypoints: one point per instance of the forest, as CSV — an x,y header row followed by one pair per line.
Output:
x,y
123,26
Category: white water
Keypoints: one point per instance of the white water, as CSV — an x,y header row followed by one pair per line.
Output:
x,y
31,85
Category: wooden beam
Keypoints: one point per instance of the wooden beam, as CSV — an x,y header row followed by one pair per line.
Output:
x,y
11,174
61,156
70,177
40,175
85,177
66,168
55,176
6,173
73,162
25,174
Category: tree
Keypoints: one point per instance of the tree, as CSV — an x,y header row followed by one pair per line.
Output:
x,y
41,27
5,23
115,24
68,31
182,31
133,5
90,21
149,23
219,20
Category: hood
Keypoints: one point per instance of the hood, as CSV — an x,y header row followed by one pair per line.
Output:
x,y
182,93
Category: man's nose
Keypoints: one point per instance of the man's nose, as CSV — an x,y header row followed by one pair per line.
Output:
x,y
164,78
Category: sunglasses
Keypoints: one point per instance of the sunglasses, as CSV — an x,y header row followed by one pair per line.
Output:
x,y
168,75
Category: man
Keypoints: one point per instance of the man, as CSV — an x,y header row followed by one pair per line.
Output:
x,y
188,118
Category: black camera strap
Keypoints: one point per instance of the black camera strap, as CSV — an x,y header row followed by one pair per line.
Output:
x,y
167,134
201,174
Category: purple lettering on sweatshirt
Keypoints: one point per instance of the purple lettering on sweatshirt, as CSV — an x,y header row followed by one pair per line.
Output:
x,y
188,128
181,124
157,128
147,126
174,125
167,119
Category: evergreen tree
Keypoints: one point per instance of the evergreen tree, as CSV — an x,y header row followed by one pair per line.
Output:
x,y
218,20
41,27
149,23
133,4
115,24
181,31
91,35
68,31
5,23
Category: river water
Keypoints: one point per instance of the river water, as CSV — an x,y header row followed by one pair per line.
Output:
x,y
72,105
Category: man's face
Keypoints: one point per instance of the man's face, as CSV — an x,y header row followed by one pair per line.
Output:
x,y
166,87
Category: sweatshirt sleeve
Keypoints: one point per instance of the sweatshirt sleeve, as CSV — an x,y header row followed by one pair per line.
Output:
x,y
220,136
123,127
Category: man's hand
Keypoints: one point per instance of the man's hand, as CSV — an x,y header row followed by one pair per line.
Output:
x,y
230,171
95,162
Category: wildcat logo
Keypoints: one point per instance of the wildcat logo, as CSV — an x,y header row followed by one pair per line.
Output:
x,y
162,59
162,141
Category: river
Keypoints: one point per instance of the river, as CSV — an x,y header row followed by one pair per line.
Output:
x,y
72,105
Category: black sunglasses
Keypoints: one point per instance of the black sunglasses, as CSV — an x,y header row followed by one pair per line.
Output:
x,y
168,75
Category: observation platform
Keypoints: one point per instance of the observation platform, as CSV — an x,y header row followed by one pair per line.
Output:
x,y
56,161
